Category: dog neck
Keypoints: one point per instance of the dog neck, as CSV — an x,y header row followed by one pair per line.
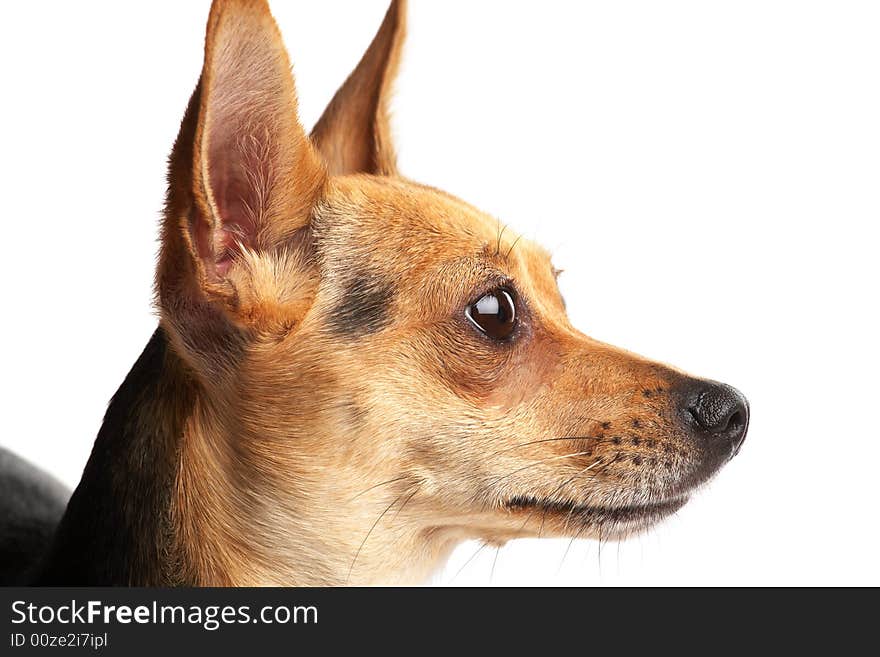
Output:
x,y
117,528
147,507
165,500
153,507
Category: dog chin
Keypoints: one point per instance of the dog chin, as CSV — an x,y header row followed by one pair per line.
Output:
x,y
569,518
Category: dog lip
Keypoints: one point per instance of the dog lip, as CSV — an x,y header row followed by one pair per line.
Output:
x,y
598,513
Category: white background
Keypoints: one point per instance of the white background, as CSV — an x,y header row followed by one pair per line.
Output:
x,y
705,172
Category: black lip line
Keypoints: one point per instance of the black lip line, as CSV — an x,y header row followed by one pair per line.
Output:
x,y
598,513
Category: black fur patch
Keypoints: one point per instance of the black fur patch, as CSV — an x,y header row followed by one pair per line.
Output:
x,y
364,306
114,529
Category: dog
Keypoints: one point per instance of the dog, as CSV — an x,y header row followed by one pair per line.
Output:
x,y
353,372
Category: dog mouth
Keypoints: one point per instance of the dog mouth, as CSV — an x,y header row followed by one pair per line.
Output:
x,y
581,517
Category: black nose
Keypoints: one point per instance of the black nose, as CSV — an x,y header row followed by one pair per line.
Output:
x,y
718,411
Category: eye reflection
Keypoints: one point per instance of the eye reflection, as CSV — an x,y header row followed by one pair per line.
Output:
x,y
488,305
494,314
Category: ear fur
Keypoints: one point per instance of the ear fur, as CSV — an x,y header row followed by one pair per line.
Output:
x,y
256,175
354,133
243,181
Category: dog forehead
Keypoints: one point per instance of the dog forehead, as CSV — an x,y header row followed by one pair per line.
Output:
x,y
394,211
397,220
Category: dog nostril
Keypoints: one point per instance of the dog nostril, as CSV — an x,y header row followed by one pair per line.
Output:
x,y
735,422
717,409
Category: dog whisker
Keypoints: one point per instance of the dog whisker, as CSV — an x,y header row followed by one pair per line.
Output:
x,y
466,563
384,483
501,230
364,542
393,518
576,536
494,563
544,440
405,502
543,520
533,464
561,486
537,463
510,250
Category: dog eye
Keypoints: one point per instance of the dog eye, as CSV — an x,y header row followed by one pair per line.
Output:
x,y
494,314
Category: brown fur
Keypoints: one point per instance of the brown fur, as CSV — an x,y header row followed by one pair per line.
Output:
x,y
347,425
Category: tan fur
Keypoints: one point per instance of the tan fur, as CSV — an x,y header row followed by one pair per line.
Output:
x,y
315,456
354,133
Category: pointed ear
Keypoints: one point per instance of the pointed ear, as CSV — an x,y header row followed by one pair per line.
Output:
x,y
255,175
354,133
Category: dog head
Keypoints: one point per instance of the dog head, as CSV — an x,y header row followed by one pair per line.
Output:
x,y
383,369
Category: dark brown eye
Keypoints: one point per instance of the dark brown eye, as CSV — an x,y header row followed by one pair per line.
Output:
x,y
494,314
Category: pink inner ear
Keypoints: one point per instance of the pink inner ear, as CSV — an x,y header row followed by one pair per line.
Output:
x,y
251,150
216,248
238,187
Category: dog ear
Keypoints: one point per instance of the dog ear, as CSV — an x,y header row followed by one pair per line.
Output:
x,y
244,179
354,133
255,174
